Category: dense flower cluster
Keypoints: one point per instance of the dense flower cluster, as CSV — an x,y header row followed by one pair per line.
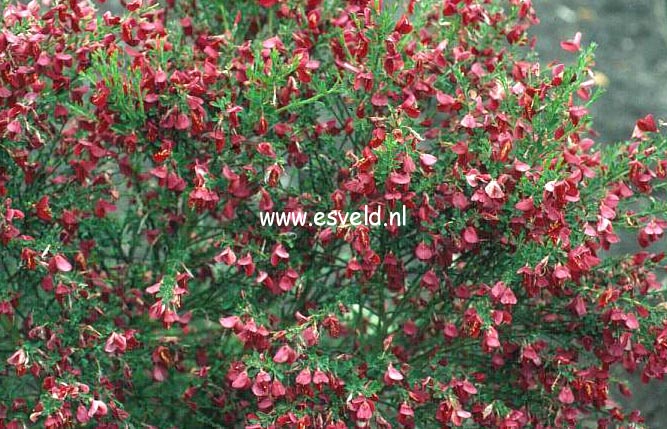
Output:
x,y
138,289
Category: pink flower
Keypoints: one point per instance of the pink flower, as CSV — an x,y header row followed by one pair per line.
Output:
x,y
97,408
493,190
82,414
468,121
115,342
392,375
423,251
573,45
227,256
60,263
427,160
285,354
566,396
18,358
279,254
320,377
304,377
652,228
503,294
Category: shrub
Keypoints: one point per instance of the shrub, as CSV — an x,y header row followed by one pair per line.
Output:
x,y
138,287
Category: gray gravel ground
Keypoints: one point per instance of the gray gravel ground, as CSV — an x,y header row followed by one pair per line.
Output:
x,y
632,53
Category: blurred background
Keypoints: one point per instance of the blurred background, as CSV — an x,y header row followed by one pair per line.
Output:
x,y
631,60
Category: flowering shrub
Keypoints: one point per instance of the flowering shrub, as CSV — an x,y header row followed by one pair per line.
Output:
x,y
138,289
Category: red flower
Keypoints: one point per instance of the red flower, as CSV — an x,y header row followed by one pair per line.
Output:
x,y
267,3
43,209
